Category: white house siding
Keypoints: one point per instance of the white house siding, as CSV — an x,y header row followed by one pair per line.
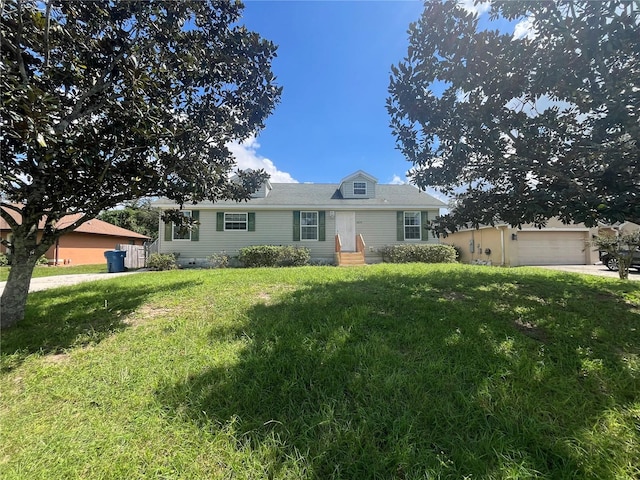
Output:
x,y
275,227
378,229
272,228
347,188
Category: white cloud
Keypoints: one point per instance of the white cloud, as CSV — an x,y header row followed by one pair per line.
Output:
x,y
525,29
469,6
247,156
397,180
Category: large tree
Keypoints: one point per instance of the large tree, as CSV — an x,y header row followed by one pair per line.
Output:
x,y
108,101
137,215
521,128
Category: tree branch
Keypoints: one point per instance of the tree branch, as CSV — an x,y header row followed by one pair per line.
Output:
x,y
6,216
46,34
19,59
100,86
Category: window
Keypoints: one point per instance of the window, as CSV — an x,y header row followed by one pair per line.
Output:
x,y
359,188
182,233
309,225
235,221
412,225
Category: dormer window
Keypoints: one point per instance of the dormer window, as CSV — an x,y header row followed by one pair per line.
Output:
x,y
359,188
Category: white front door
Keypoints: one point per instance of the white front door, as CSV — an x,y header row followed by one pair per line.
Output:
x,y
346,228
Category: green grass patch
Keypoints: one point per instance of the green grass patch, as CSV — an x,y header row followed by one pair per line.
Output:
x,y
48,271
386,371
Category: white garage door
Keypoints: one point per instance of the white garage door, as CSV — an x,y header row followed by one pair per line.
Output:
x,y
551,248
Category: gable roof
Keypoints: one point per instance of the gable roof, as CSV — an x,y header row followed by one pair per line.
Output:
x,y
325,196
359,173
93,226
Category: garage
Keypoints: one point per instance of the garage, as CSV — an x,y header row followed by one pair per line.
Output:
x,y
552,248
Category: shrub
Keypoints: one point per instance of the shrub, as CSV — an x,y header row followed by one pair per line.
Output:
x,y
162,261
458,252
219,260
4,260
418,253
42,261
274,256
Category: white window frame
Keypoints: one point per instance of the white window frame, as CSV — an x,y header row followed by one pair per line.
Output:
x,y
316,226
246,222
415,214
360,186
186,213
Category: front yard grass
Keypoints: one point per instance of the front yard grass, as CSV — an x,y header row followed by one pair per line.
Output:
x,y
387,371
48,271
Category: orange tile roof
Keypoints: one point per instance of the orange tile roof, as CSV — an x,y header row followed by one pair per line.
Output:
x,y
93,226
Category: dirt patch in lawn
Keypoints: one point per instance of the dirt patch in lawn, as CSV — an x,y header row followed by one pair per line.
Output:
x,y
531,330
144,314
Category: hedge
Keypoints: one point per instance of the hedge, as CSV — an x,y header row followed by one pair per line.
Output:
x,y
434,253
162,261
274,256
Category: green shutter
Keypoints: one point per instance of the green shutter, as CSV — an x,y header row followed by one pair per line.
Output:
x,y
424,220
220,221
321,226
400,226
168,231
251,221
296,225
195,232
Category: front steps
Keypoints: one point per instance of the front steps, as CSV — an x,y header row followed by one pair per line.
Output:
x,y
348,259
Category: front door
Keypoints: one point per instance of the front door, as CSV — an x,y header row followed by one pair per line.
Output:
x,y
346,228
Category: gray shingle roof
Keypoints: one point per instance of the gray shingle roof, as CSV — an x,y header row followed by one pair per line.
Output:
x,y
327,196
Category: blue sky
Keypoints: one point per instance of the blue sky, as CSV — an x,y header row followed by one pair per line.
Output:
x,y
333,63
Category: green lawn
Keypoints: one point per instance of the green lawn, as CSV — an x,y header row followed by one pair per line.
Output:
x,y
46,271
385,371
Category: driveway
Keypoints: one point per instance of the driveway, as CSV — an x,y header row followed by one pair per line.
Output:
x,y
597,269
44,283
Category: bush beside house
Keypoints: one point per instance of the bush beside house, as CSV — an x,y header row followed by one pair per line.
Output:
x,y
274,256
418,253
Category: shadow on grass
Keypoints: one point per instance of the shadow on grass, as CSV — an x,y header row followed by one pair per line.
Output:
x,y
402,376
62,318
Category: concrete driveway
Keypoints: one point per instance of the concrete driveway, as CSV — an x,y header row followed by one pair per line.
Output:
x,y
45,283
597,269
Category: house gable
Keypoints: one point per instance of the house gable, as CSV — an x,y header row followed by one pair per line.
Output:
x,y
358,185
263,191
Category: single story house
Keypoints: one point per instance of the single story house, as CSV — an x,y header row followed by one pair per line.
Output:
x,y
86,244
555,244
344,223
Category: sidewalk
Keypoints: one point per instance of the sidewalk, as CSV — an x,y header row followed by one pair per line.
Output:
x,y
597,269
45,283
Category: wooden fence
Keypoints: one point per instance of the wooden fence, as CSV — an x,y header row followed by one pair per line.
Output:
x,y
136,255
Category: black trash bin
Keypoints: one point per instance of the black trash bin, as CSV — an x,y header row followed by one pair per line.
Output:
x,y
115,260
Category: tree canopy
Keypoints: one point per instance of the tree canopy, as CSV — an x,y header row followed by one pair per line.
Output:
x,y
138,216
522,128
108,101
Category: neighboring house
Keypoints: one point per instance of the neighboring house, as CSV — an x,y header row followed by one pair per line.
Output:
x,y
555,244
623,228
86,244
339,223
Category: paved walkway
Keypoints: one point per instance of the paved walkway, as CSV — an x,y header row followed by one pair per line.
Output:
x,y
597,269
44,283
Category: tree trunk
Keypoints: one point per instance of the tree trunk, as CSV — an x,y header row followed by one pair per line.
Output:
x,y
624,262
14,297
